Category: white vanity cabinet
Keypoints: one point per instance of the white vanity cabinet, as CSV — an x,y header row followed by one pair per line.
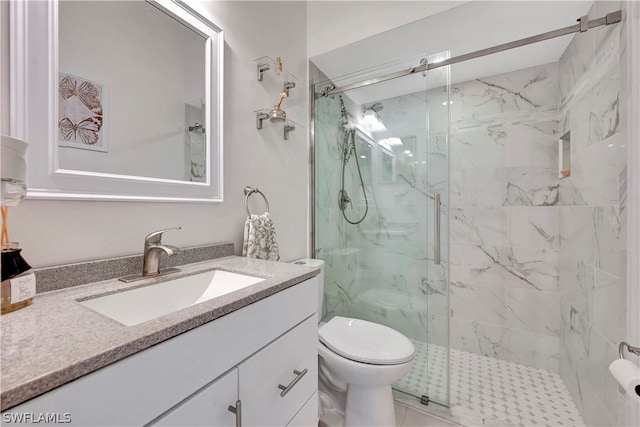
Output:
x,y
277,381
193,378
206,407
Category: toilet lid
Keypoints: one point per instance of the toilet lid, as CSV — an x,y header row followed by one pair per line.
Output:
x,y
366,342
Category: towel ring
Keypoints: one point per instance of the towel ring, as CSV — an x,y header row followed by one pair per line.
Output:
x,y
248,191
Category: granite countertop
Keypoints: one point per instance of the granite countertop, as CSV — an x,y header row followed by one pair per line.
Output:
x,y
56,339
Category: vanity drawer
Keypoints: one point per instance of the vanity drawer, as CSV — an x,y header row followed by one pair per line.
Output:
x,y
207,407
274,365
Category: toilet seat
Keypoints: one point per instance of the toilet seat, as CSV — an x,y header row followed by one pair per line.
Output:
x,y
366,342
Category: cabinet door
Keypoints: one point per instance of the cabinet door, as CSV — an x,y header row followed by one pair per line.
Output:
x,y
262,375
208,406
308,415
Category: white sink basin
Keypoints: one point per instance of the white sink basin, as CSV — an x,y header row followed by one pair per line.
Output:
x,y
142,304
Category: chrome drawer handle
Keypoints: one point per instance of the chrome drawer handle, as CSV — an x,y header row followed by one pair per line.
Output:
x,y
299,375
238,411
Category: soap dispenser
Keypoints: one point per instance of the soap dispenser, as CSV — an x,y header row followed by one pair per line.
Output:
x,y
18,281
18,285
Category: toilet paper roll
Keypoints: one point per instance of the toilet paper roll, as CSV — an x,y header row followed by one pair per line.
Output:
x,y
627,374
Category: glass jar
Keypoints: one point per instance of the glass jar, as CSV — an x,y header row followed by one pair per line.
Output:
x,y
18,282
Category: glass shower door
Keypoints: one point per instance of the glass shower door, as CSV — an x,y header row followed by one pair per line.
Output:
x,y
378,246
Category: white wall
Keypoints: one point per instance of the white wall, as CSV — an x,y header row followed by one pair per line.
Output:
x,y
4,68
333,24
55,232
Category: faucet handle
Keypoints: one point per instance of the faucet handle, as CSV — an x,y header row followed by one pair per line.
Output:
x,y
156,236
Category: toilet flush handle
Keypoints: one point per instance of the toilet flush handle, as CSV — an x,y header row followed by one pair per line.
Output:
x,y
299,375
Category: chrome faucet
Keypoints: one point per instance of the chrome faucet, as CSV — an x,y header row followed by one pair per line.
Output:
x,y
153,247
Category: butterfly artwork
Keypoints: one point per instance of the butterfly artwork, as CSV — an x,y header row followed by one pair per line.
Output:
x,y
86,92
81,113
86,130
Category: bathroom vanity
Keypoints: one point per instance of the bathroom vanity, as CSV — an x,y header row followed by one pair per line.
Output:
x,y
245,358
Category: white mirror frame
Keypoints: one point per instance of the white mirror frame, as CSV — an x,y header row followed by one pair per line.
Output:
x,y
34,113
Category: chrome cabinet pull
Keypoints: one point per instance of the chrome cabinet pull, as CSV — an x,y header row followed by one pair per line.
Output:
x,y
238,411
286,389
436,228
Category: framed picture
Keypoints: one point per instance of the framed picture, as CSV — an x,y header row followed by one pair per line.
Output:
x,y
81,113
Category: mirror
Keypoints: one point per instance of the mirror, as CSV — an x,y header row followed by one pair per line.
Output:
x,y
135,101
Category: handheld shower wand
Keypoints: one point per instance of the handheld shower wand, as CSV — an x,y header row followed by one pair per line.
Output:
x,y
349,148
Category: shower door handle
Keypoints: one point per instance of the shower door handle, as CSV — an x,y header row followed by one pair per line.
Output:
x,y
436,228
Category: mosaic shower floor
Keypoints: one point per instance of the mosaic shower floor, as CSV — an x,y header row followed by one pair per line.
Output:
x,y
487,391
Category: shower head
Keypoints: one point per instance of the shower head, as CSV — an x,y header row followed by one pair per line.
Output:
x,y
375,107
277,115
371,119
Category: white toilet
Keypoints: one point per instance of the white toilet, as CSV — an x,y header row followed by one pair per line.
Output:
x,y
358,361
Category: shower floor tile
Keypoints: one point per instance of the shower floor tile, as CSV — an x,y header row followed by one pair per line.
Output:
x,y
487,391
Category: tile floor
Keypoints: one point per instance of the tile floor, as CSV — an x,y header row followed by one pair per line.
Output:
x,y
487,391
409,417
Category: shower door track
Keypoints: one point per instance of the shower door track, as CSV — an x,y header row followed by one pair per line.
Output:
x,y
583,25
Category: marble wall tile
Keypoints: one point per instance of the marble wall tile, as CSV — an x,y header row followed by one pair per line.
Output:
x,y
564,120
341,279
479,226
568,193
578,286
531,186
576,61
504,219
527,268
435,285
592,254
595,111
533,144
609,39
584,187
482,188
534,227
481,303
604,111
522,90
578,233
530,268
579,110
481,147
610,256
479,265
479,338
533,349
585,356
505,186
409,316
569,357
534,311
610,296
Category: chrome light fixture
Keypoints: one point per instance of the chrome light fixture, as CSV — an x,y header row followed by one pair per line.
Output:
x,y
371,120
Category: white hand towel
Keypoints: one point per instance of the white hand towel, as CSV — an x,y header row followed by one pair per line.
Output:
x,y
260,238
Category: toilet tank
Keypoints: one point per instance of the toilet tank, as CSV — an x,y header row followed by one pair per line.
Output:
x,y
310,262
